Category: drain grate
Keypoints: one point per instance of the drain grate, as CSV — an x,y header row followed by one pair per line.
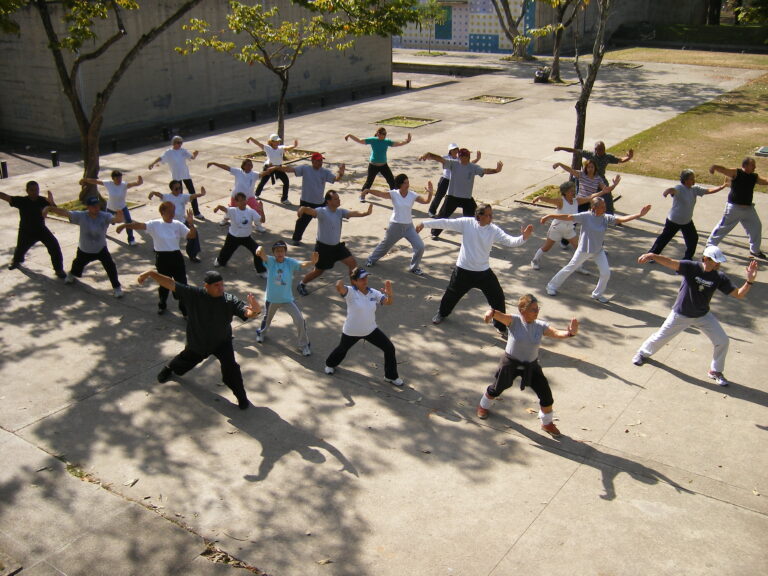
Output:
x,y
493,99
406,121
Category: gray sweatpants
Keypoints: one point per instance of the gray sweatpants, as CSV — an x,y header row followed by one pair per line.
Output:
x,y
396,232
738,214
271,309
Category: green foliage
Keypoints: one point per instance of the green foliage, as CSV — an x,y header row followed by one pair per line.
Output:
x,y
751,11
365,17
432,13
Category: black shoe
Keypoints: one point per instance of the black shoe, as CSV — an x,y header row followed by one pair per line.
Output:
x,y
503,334
164,375
61,274
13,265
760,255
243,403
161,310
296,243
195,259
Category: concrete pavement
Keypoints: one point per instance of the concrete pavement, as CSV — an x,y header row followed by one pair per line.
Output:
x,y
660,471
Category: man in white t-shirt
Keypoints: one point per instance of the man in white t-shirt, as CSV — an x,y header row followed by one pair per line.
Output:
x,y
275,152
176,157
242,219
117,193
179,202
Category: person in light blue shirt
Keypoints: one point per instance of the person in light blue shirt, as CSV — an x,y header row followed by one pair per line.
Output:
x,y
280,271
378,160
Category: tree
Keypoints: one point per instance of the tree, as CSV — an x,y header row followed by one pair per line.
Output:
x,y
750,11
713,12
511,25
565,13
431,14
71,40
274,44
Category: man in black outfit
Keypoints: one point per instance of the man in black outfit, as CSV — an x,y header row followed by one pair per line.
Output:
x,y
209,328
32,228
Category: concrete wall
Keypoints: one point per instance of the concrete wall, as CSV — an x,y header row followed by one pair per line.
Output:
x,y
161,87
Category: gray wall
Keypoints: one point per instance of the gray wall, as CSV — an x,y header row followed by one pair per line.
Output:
x,y
162,87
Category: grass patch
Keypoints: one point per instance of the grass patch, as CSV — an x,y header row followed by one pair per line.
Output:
x,y
693,57
490,99
428,53
722,131
406,121
551,190
74,205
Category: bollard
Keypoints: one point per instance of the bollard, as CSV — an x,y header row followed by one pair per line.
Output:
x,y
54,158
166,134
114,145
322,102
407,84
3,169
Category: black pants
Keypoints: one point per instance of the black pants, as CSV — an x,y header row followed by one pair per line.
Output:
x,y
467,205
82,259
191,189
230,369
531,374
384,170
303,221
442,188
462,281
280,175
231,244
27,239
690,236
378,339
170,264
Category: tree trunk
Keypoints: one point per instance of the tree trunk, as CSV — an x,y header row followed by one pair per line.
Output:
x,y
713,13
284,79
556,55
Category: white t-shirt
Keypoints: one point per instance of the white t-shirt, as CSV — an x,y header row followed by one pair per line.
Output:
x,y
274,155
361,311
402,207
177,161
241,221
116,195
166,235
245,182
180,203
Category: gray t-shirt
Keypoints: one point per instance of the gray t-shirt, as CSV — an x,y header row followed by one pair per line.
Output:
x,y
329,224
593,230
683,203
601,162
524,340
462,178
93,231
313,182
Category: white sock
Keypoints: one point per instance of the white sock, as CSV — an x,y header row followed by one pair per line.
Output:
x,y
545,417
539,254
485,401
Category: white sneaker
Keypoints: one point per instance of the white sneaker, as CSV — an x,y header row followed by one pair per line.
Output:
x,y
600,298
69,279
395,382
306,351
117,292
259,337
132,242
551,291
329,370
535,265
718,378
418,271
216,263
638,359
260,228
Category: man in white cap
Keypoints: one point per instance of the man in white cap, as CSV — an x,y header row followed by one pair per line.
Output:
x,y
275,151
176,157
700,280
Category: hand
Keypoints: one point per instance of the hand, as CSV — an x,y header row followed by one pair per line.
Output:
x,y
573,326
370,209
346,138
143,277
408,138
712,169
488,316
647,257
558,148
630,154
388,288
295,143
499,166
556,164
191,218
544,219
120,228
419,228
82,182
139,180
202,191
527,231
645,210
430,189
617,179
422,157
208,165
665,193
752,268
342,167
151,166
535,200
254,305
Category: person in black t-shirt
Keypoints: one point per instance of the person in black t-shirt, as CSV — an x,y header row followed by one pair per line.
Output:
x,y
209,328
700,280
32,228
739,209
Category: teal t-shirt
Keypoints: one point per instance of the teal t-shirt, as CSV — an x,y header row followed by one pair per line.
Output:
x,y
280,279
378,149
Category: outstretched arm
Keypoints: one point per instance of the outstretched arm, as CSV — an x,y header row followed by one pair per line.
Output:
x,y
663,260
428,198
718,188
571,171
353,137
292,146
358,214
199,194
94,181
306,210
135,225
155,162
478,155
570,332
751,275
499,166
256,142
566,149
388,293
341,288
138,182
628,157
154,194
730,172
4,196
431,156
625,219
548,217
218,165
548,200
499,316
165,281
59,211
402,142
605,189
377,193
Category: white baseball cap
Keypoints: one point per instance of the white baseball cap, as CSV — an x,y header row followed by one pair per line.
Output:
x,y
714,253
452,146
275,138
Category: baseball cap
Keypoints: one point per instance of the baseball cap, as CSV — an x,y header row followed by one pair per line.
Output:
x,y
463,152
275,138
318,156
279,244
452,146
714,253
92,201
359,273
211,277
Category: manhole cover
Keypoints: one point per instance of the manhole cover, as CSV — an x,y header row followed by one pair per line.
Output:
x,y
490,99
406,121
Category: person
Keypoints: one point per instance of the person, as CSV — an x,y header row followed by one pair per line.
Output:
x,y
242,218
329,246
561,230
166,233
209,328
360,323
680,216
92,245
692,306
590,183
378,160
280,271
445,179
117,192
245,182
275,157
591,237
179,202
313,180
176,157
739,208
473,269
401,222
460,187
521,358
32,229
601,160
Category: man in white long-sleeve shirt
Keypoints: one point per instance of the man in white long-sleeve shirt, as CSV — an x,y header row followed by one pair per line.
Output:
x,y
473,269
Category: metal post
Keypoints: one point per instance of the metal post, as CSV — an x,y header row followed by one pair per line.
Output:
x,y
54,158
3,169
407,84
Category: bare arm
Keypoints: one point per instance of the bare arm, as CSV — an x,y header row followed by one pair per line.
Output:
x,y
669,192
566,149
478,155
571,171
492,314
628,157
499,166
605,189
155,162
340,172
135,225
625,219
663,260
340,288
94,181
59,211
292,146
165,281
377,193
312,261
548,217
256,142
199,194
139,181
730,172
358,214
570,332
194,154
218,165
154,194
762,181
4,196
428,198
751,275
306,210
402,142
353,137
718,188
549,200
431,156
388,293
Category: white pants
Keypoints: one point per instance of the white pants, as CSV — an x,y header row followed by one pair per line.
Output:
x,y
296,315
576,262
676,323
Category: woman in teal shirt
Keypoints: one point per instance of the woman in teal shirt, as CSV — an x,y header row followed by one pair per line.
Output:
x,y
378,161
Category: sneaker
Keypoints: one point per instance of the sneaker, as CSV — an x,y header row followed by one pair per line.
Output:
x,y
535,265
600,298
132,242
759,254
301,288
418,271
259,336
395,382
260,228
369,263
60,274
718,378
431,214
195,259
504,334
362,198
69,279
482,413
638,359
436,319
216,263
551,291
285,202
117,292
164,375
329,370
552,430
262,275
13,265
160,311
296,243
200,217
306,351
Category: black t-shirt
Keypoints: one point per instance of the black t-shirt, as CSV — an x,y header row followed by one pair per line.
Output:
x,y
742,188
209,322
698,287
30,212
